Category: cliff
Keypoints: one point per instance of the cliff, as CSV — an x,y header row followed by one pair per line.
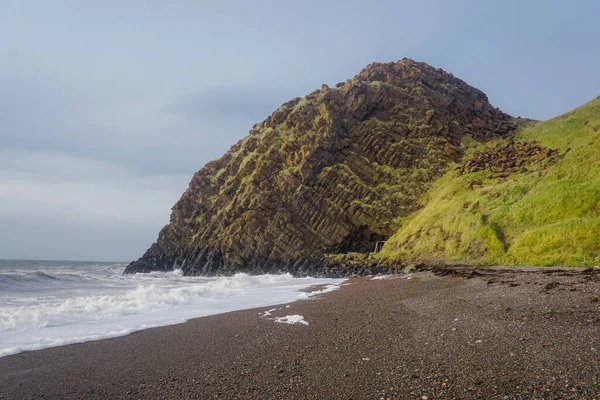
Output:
x,y
533,200
332,172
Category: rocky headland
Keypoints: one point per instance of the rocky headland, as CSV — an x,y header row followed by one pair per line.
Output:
x,y
331,174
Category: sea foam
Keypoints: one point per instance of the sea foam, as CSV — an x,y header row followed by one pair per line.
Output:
x,y
291,319
58,305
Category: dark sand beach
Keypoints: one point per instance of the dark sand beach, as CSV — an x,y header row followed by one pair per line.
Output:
x,y
448,334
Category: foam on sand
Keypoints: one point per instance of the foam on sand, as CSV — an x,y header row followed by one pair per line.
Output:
x,y
291,319
380,277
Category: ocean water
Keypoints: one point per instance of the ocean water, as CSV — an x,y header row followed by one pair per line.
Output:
x,y
52,303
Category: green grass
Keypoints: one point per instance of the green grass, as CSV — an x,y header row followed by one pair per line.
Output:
x,y
546,216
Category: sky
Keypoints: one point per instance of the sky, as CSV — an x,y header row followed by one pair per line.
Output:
x,y
107,108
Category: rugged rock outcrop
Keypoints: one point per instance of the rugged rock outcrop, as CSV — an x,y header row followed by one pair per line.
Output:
x,y
508,157
331,172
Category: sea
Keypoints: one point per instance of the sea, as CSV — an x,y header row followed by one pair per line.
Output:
x,y
53,303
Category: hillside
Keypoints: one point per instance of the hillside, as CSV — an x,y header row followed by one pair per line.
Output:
x,y
330,173
534,200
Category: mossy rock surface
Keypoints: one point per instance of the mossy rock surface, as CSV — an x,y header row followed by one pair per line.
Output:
x,y
332,172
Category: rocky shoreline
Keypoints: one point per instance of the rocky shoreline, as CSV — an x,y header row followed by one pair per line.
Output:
x,y
337,266
448,333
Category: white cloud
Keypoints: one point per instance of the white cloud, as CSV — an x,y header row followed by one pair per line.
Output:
x,y
33,185
61,195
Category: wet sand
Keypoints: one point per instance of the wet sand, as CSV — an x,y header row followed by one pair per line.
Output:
x,y
450,333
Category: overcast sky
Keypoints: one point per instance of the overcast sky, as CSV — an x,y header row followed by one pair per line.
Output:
x,y
107,108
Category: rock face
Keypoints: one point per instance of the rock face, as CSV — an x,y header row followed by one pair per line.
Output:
x,y
508,157
331,172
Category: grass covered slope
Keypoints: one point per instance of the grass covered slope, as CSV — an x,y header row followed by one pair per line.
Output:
x,y
545,214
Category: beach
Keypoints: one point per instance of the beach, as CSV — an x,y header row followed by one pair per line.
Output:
x,y
451,333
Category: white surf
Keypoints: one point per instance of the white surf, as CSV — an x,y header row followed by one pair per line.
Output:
x,y
47,304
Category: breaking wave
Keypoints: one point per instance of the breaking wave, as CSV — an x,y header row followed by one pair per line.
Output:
x,y
62,304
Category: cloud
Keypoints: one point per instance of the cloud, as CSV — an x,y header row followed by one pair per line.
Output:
x,y
166,134
30,110
227,102
84,177
51,192
84,189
